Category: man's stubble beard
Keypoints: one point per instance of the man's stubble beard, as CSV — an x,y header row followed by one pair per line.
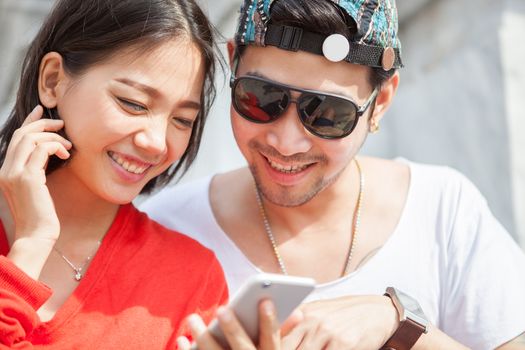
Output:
x,y
285,199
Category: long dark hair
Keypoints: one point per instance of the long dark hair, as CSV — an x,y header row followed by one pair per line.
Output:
x,y
319,16
87,32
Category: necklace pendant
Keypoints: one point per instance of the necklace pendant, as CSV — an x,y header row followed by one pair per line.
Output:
x,y
78,276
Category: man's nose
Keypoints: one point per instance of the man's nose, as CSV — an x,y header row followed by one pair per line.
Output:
x,y
287,134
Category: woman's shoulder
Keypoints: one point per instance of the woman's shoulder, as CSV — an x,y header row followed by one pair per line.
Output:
x,y
164,240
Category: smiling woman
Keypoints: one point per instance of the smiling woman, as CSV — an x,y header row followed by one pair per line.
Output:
x,y
112,102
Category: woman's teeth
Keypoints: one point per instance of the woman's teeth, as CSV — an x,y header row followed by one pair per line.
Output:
x,y
127,165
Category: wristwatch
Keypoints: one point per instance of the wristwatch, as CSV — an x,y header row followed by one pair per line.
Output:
x,y
412,321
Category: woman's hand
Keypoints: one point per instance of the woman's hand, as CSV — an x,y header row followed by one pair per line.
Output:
x,y
353,322
269,332
23,183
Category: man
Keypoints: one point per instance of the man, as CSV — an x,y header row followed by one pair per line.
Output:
x,y
311,79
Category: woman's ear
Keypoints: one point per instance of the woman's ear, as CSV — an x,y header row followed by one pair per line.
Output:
x,y
51,74
384,98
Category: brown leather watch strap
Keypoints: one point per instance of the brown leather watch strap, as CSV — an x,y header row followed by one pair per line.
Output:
x,y
405,336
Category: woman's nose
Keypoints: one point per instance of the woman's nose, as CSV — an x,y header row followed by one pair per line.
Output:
x,y
152,136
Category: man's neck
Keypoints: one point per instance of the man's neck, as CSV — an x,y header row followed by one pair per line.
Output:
x,y
329,207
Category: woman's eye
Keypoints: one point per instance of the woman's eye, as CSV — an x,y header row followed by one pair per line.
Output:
x,y
182,122
135,107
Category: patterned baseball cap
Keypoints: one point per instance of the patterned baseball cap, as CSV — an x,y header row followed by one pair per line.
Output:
x,y
374,44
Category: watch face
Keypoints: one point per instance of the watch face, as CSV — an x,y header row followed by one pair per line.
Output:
x,y
412,308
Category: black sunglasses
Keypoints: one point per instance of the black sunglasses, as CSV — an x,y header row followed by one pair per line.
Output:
x,y
325,115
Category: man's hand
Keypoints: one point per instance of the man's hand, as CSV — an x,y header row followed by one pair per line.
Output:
x,y
517,343
353,322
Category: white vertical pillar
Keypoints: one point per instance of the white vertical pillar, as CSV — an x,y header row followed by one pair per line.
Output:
x,y
513,59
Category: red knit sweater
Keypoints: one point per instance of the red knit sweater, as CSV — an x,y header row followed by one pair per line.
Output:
x,y
142,283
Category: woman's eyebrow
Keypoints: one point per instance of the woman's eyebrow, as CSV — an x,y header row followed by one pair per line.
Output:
x,y
140,86
155,93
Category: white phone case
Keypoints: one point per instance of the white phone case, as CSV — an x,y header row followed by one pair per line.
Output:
x,y
286,292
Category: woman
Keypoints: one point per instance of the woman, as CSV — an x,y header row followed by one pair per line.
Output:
x,y
112,102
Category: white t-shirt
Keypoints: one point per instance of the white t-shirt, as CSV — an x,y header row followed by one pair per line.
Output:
x,y
447,251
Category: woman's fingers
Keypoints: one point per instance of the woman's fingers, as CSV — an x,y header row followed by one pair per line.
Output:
x,y
183,343
38,159
236,336
19,156
42,125
33,131
202,337
233,331
35,123
35,114
269,333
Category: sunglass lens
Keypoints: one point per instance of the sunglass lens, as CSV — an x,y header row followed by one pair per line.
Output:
x,y
259,101
327,116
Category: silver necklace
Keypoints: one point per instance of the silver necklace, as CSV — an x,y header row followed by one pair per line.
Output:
x,y
355,226
79,271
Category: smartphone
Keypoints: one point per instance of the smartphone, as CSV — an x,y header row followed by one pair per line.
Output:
x,y
286,292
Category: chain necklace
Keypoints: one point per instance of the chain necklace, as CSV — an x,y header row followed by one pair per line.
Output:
x,y
355,226
79,271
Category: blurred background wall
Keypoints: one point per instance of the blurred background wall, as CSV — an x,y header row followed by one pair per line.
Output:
x,y
460,102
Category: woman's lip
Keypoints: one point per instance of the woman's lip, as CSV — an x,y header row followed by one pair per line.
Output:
x,y
126,175
135,160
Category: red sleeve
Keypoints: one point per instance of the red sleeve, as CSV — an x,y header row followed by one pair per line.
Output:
x,y
214,294
20,297
211,301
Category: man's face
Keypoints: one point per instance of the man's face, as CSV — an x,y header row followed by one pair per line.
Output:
x,y
289,164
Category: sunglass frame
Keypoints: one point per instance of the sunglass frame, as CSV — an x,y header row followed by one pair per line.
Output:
x,y
360,110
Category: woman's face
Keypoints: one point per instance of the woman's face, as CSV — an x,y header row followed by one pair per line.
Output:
x,y
290,165
130,118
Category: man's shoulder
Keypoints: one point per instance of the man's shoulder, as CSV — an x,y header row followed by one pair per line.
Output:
x,y
184,201
442,181
176,195
224,184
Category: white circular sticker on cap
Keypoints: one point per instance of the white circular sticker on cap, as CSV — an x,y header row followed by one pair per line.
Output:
x,y
336,47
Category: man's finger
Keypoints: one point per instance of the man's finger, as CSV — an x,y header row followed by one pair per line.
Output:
x,y
294,338
293,320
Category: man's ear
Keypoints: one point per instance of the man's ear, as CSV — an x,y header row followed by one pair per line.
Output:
x,y
50,76
230,44
384,98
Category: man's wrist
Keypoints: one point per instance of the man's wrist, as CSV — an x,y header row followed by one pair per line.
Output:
x,y
412,321
393,317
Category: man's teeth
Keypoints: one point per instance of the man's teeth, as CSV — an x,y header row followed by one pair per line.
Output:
x,y
127,165
290,169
